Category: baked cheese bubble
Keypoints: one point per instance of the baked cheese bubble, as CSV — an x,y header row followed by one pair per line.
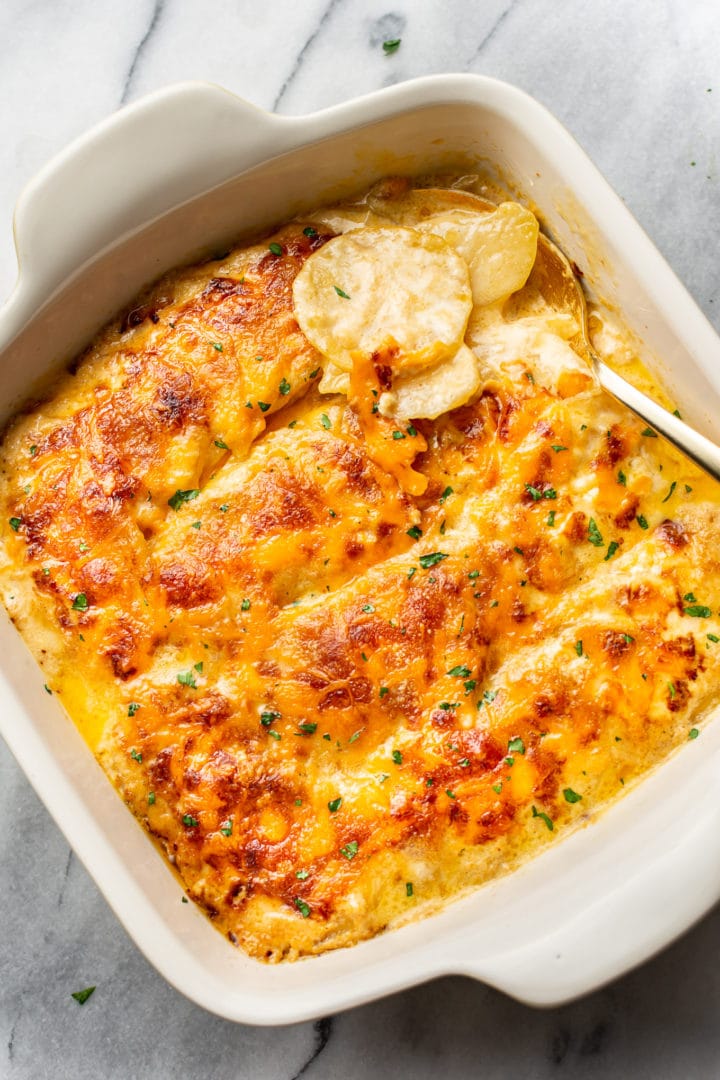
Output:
x,y
390,288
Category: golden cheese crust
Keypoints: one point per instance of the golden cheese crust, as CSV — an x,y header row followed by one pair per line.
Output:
x,y
338,699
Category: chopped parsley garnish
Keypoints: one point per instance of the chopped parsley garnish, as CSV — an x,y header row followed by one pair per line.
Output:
x,y
33,450
536,494
474,574
551,518
460,672
435,557
15,523
314,373
80,603
224,508
356,735
676,412
189,821
368,608
133,708
411,430
340,292
275,249
579,648
245,605
642,522
389,47
698,611
516,745
217,346
397,757
543,817
302,907
693,733
187,678
622,478
450,794
446,494
325,421
628,639
469,686
672,488
308,727
275,735
302,875
383,691
594,534
309,231
268,716
196,525
497,788
136,755
447,706
335,804
47,689
151,798
350,850
571,796
180,497
263,406
398,435
284,387
226,827
518,550
558,449
612,548
649,433
690,598
714,638
81,996
688,488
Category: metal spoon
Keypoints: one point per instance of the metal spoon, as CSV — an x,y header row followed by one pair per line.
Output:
x,y
553,277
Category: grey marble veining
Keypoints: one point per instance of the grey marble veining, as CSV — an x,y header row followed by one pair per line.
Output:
x,y
639,86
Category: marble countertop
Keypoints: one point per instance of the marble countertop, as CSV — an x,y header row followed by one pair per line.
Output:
x,y
639,86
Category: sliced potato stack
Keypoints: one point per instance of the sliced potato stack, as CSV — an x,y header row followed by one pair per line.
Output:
x,y
401,282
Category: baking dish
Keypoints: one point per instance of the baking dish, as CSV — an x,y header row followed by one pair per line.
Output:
x,y
179,174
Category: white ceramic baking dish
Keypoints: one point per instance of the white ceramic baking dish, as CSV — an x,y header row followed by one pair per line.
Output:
x,y
180,173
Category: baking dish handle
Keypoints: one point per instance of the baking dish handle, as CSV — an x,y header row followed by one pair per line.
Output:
x,y
141,162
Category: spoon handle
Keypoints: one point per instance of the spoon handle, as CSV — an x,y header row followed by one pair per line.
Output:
x,y
702,451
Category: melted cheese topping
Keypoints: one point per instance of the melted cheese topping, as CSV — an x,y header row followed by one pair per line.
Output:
x,y
345,668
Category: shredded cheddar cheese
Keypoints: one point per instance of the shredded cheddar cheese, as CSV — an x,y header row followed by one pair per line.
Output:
x,y
345,662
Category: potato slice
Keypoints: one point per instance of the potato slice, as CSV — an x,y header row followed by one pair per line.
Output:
x,y
390,288
436,390
499,243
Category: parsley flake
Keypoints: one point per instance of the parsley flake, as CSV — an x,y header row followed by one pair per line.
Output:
x,y
189,821
538,814
325,421
579,648
698,611
622,478
642,522
284,387
594,534
80,603
340,292
350,850
558,449
693,733
460,672
275,249
612,548
81,996
15,523
571,796
309,231
335,804
187,678
308,727
302,907
245,605
672,488
516,745
226,827
389,47
133,708
649,433
397,757
435,557
398,435
263,406
180,497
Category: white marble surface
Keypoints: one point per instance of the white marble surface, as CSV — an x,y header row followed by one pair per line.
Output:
x,y
639,85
